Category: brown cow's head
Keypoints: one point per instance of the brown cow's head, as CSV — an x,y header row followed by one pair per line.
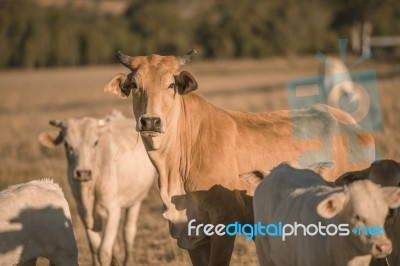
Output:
x,y
156,84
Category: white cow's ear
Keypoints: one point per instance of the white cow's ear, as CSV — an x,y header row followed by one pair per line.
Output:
x,y
332,205
253,177
391,196
118,86
50,138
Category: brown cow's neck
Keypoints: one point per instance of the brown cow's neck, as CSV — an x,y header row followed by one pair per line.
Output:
x,y
173,159
188,128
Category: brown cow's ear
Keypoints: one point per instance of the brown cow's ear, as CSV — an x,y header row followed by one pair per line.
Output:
x,y
118,86
50,138
185,83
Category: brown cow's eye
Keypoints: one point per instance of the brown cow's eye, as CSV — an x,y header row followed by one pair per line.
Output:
x,y
68,147
171,86
130,82
130,86
95,144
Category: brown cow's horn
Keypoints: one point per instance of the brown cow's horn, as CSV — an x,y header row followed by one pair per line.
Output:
x,y
126,60
182,60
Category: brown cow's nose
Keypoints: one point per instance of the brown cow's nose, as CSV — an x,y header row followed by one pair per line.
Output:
x,y
150,124
83,175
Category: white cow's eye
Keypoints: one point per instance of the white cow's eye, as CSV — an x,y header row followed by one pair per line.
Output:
x,y
358,218
171,86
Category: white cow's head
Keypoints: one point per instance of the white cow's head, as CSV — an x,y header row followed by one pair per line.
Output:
x,y
83,144
80,138
363,203
157,85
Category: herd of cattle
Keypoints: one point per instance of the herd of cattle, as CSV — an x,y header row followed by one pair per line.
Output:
x,y
213,165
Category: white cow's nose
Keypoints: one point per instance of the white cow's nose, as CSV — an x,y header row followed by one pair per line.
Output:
x,y
381,249
83,175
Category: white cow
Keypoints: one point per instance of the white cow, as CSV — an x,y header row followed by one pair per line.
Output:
x,y
334,72
290,195
343,90
337,84
35,221
384,173
108,169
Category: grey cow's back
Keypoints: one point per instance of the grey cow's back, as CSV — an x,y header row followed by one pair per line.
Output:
x,y
284,203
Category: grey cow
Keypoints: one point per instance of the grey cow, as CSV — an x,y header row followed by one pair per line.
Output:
x,y
384,173
292,196
108,170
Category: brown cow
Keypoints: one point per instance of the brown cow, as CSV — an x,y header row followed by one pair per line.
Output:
x,y
196,145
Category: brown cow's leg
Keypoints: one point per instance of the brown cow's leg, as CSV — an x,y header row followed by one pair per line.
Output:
x,y
221,250
200,256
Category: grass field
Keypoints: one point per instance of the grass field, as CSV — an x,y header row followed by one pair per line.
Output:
x,y
29,99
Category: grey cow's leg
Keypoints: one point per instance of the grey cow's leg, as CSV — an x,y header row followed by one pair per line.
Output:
x,y
31,262
64,262
130,231
200,256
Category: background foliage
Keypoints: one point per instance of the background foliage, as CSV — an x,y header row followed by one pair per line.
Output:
x,y
33,35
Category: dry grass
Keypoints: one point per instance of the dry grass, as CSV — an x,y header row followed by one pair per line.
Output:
x,y
28,99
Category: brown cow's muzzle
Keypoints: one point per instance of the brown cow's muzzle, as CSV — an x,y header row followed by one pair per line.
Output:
x,y
150,125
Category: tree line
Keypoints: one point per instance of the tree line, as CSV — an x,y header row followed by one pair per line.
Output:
x,y
34,36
